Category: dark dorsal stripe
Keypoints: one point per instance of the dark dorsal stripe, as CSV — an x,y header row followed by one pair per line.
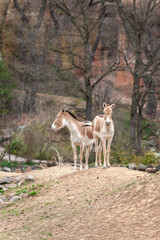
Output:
x,y
70,114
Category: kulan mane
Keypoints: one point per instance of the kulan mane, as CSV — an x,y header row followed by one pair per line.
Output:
x,y
70,114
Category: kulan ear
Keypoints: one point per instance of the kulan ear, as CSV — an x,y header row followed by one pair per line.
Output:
x,y
113,105
104,105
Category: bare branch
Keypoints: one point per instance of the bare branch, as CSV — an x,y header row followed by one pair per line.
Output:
x,y
21,12
52,14
41,14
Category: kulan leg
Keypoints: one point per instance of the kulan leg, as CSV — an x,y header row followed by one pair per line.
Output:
x,y
108,152
74,148
81,156
96,150
87,152
100,150
104,152
85,155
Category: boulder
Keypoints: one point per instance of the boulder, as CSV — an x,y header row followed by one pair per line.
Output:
x,y
6,169
141,167
6,179
151,170
132,166
29,178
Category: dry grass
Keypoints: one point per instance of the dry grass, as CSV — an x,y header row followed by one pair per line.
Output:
x,y
115,203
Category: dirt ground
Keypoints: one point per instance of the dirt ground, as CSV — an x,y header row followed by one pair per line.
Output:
x,y
114,204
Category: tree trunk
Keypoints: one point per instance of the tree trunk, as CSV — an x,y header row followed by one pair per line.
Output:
x,y
135,100
139,131
89,105
133,118
29,101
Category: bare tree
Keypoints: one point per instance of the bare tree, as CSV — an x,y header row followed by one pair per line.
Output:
x,y
140,21
31,47
81,36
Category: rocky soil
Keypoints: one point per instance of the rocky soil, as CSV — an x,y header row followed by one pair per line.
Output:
x,y
116,203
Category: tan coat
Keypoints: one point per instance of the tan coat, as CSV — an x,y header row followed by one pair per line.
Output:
x,y
79,135
103,130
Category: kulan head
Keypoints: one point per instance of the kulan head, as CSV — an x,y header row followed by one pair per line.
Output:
x,y
107,109
58,122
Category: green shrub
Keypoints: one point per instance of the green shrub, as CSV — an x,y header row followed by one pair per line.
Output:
x,y
149,158
24,190
33,193
8,164
146,159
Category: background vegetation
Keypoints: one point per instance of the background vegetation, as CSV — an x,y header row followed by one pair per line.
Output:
x,y
76,49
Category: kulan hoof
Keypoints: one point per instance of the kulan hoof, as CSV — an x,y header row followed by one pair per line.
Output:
x,y
109,166
96,166
104,167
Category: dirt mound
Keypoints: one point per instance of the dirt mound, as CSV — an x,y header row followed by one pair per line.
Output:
x,y
115,203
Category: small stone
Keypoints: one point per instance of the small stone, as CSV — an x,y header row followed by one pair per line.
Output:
x,y
5,189
14,198
29,178
6,179
71,197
